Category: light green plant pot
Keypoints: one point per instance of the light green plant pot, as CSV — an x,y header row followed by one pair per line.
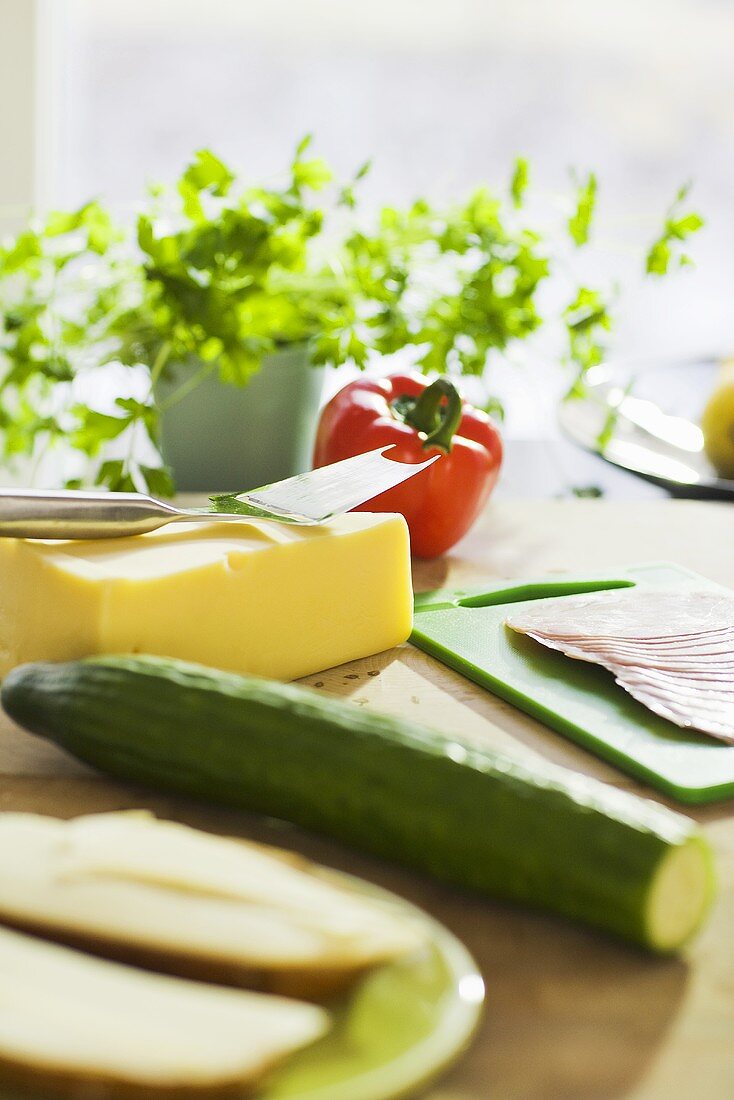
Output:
x,y
220,438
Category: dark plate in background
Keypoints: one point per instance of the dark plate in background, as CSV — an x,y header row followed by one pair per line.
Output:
x,y
655,432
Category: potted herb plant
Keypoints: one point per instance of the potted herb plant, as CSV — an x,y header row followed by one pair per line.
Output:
x,y
235,300
216,316
211,319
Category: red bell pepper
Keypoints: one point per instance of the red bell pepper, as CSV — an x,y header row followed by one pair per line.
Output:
x,y
441,503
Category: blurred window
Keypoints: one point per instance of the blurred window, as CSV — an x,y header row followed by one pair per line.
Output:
x,y
442,94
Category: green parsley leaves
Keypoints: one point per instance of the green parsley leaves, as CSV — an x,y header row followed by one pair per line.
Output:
x,y
679,225
220,273
579,224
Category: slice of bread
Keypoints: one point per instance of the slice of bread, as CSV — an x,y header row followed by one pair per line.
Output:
x,y
166,896
74,1025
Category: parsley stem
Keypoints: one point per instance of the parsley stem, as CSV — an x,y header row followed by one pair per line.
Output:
x,y
187,387
159,363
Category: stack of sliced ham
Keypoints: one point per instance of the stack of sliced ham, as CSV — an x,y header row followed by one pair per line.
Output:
x,y
672,651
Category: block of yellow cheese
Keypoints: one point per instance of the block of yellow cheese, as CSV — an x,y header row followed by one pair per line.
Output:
x,y
257,597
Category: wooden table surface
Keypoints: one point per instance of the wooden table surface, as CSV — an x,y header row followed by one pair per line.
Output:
x,y
569,1015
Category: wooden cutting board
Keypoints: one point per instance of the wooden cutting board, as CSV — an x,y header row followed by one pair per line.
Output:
x,y
570,1015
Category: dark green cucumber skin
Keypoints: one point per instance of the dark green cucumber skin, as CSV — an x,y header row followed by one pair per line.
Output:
x,y
546,837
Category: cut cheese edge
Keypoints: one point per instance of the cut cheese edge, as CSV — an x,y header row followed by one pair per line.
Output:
x,y
72,1021
255,597
145,890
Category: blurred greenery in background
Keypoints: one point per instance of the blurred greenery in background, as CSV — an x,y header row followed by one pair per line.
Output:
x,y
223,273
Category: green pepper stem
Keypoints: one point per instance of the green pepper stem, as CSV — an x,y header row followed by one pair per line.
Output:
x,y
429,415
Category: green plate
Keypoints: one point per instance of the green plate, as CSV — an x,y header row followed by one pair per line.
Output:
x,y
394,1032
397,1030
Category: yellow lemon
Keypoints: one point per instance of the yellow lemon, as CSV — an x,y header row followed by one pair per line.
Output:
x,y
717,424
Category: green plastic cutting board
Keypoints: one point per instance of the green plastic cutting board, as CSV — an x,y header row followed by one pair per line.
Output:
x,y
466,631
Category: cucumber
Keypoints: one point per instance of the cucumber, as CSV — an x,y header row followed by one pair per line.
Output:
x,y
537,835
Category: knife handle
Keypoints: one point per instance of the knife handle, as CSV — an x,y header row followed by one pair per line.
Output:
x,y
68,514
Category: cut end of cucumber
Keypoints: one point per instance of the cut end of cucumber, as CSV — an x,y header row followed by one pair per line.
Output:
x,y
680,895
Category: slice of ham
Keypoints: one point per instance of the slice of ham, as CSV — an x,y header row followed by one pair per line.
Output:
x,y
718,644
672,651
631,613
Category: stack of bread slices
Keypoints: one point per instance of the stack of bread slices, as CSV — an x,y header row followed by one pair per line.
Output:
x,y
245,937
